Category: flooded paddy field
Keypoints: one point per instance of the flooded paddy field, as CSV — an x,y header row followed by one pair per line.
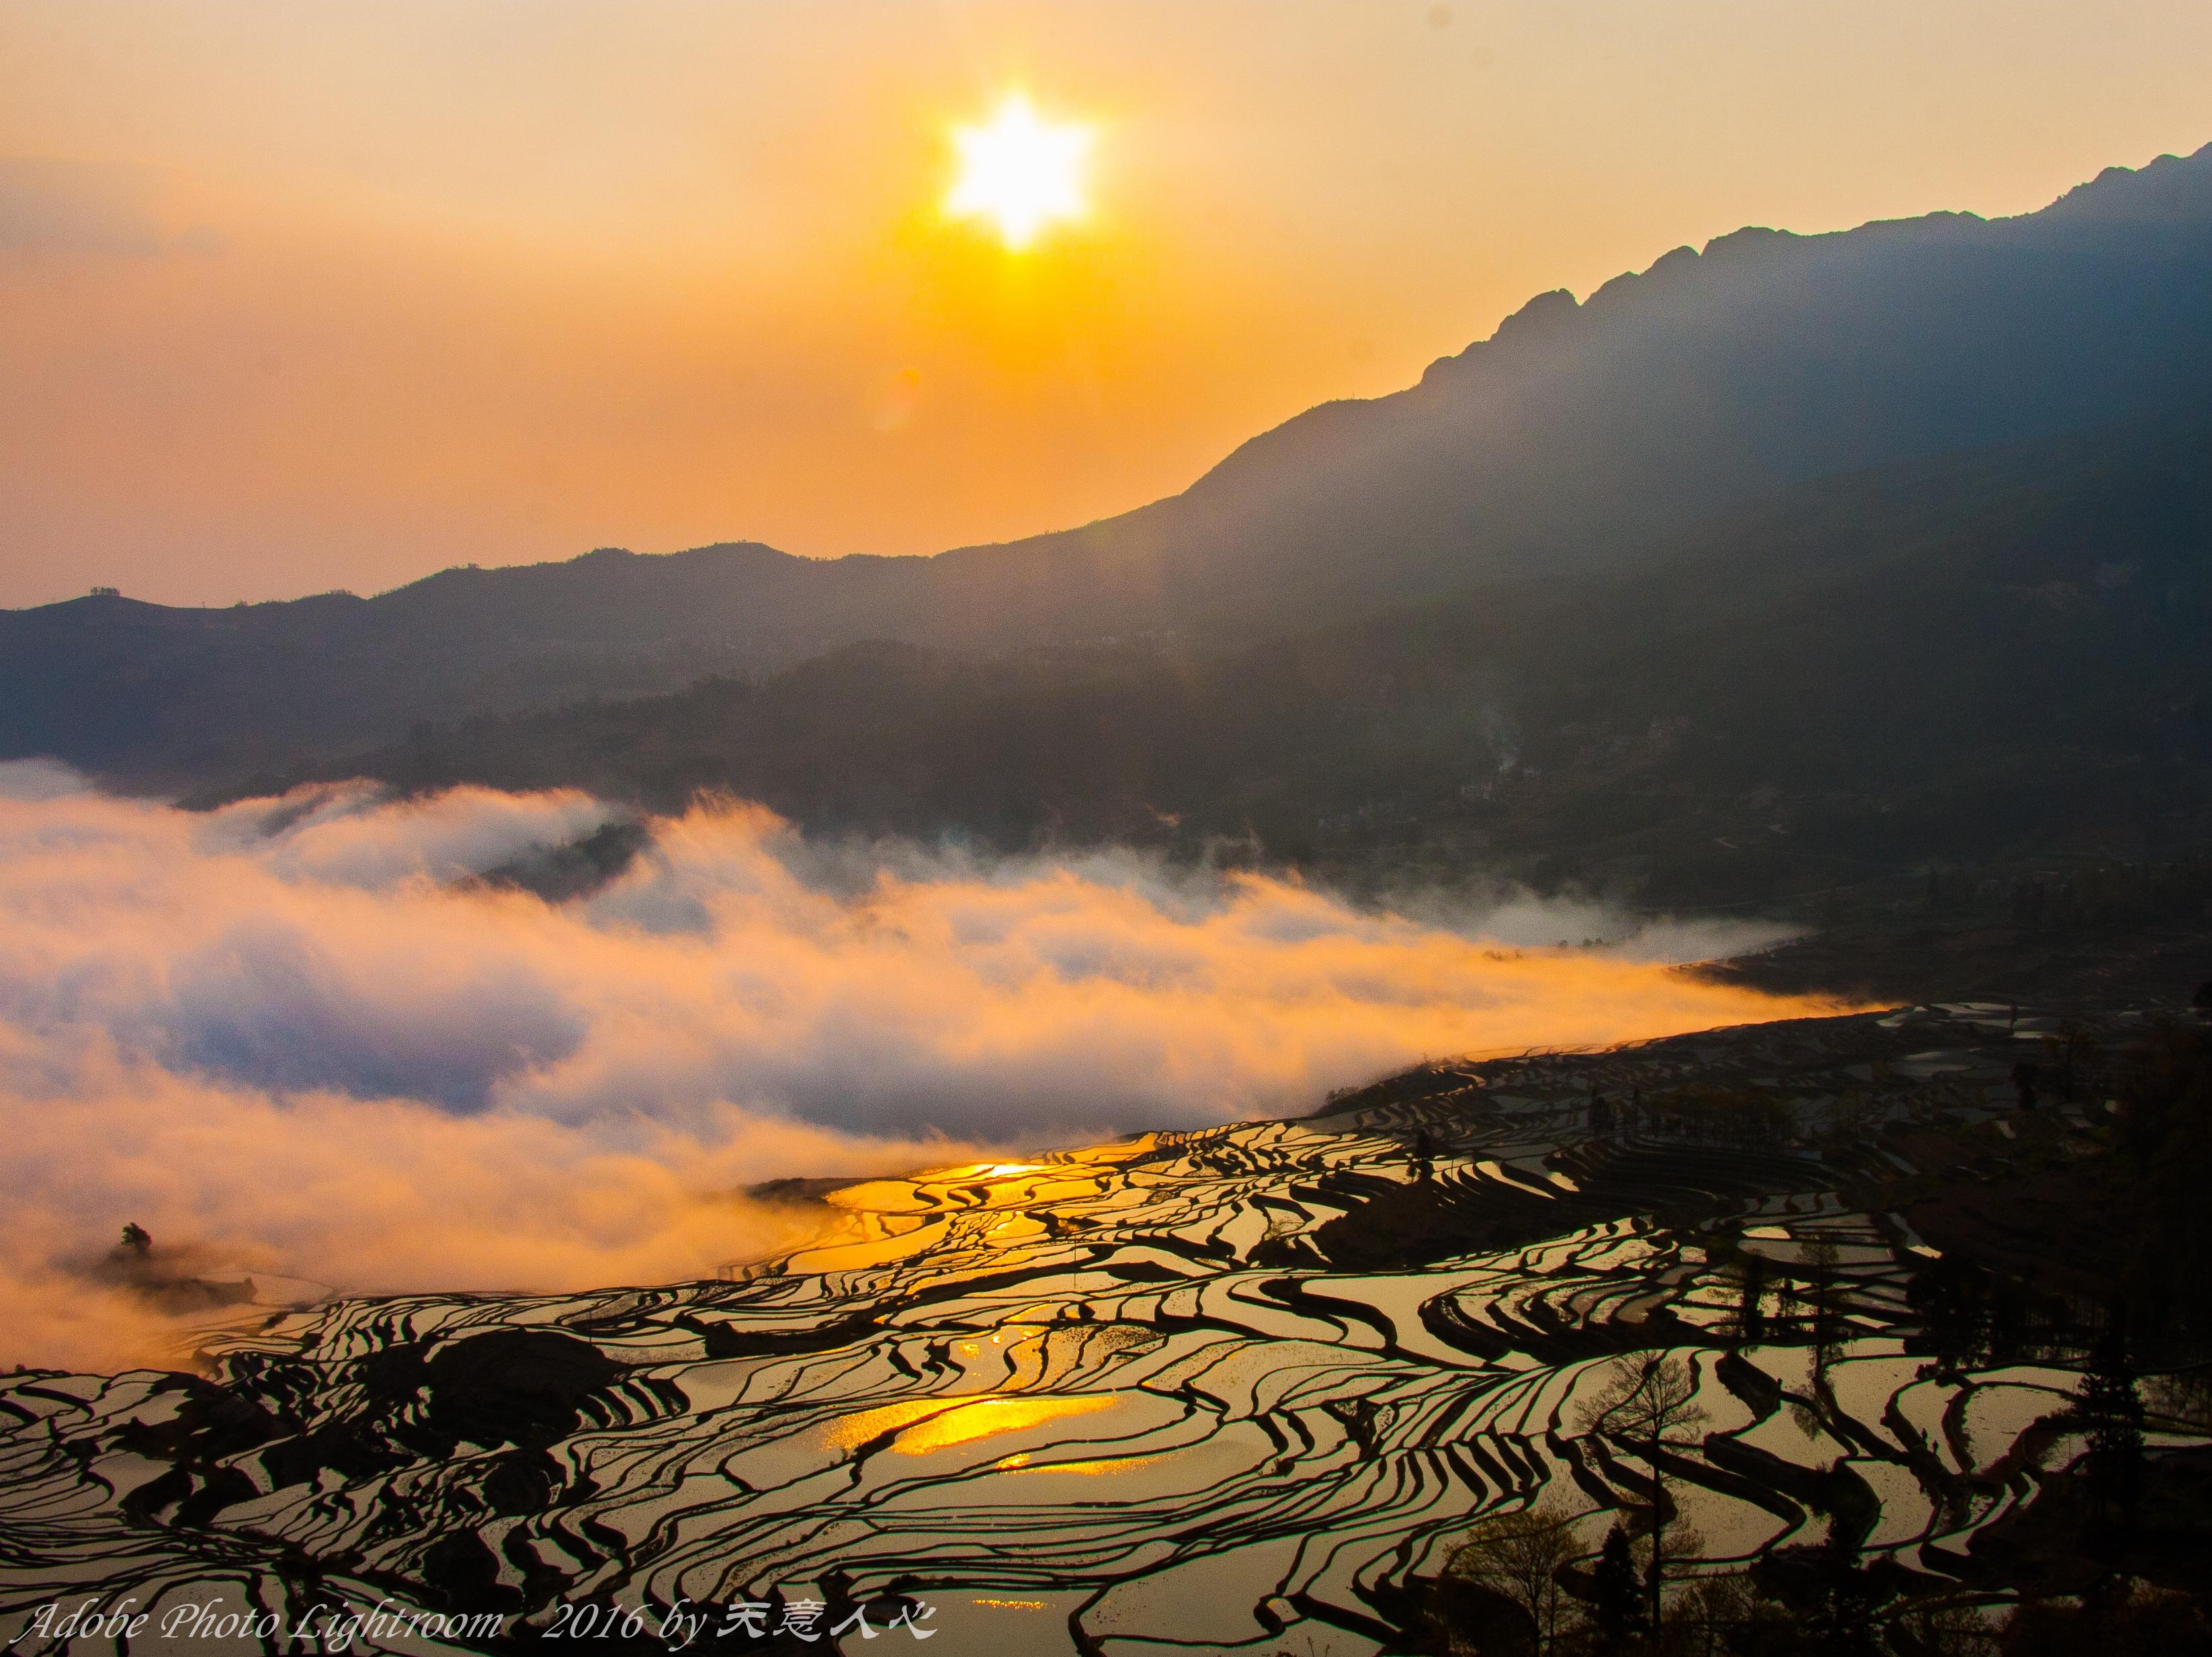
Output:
x,y
1243,1389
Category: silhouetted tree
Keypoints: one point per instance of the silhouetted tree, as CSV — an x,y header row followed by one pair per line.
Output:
x,y
2118,1620
1826,1324
2012,1319
1751,1297
2111,1412
1843,1618
1518,1556
138,1239
1648,1404
1615,1604
1950,1296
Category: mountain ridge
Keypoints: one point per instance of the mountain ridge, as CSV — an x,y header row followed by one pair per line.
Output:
x,y
1992,655
1579,435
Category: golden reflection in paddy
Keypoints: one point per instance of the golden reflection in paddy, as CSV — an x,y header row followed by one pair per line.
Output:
x,y
1021,1462
955,1190
924,1425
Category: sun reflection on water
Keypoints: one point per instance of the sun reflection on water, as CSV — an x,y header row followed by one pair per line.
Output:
x,y
1022,1462
924,1425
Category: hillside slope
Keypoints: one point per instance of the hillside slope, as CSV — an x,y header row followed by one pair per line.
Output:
x,y
1579,438
1999,652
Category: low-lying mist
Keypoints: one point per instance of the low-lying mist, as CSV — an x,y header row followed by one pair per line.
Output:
x,y
302,1036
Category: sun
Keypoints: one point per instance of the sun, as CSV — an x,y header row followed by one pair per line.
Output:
x,y
1020,170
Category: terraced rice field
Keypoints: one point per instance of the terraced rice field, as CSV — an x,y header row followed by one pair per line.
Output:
x,y
1121,1399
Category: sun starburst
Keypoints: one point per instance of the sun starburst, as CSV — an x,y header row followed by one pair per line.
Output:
x,y
1019,171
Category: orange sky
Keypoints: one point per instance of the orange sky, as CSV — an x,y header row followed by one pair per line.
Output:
x,y
294,297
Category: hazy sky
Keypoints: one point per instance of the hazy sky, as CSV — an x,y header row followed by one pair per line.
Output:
x,y
302,296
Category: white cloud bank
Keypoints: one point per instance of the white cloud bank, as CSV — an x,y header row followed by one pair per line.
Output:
x,y
294,1033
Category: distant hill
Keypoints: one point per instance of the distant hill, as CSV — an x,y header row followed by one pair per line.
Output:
x,y
162,695
2000,653
1579,438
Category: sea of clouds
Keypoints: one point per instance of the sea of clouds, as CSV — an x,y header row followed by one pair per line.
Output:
x,y
301,1035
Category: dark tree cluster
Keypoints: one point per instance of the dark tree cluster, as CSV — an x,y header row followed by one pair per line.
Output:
x,y
2165,1122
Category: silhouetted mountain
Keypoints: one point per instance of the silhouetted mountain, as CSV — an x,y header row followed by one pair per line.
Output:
x,y
149,691
1581,434
1579,438
1996,653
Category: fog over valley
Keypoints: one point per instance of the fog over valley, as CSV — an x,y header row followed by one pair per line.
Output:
x,y
304,1036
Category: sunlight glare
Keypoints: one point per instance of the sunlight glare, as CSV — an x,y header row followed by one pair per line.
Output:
x,y
1020,170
